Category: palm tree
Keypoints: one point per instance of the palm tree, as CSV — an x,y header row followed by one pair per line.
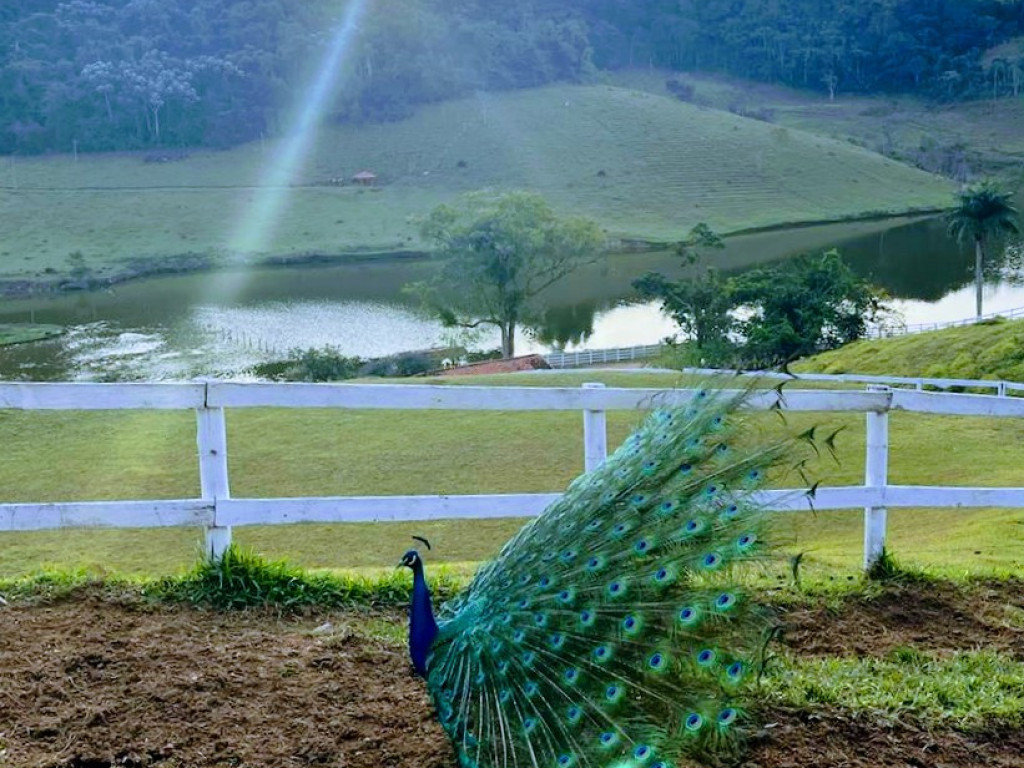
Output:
x,y
982,210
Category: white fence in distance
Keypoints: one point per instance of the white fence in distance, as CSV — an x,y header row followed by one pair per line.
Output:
x,y
882,332
602,356
218,511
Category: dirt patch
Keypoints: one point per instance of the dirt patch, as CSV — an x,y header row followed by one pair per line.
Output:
x,y
94,683
834,740
90,684
932,617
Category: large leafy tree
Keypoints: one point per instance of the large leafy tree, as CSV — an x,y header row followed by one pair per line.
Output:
x,y
982,212
806,305
499,253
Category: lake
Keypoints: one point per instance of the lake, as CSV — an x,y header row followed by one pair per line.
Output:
x,y
220,323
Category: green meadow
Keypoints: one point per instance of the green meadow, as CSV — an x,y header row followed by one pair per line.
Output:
x,y
645,166
991,349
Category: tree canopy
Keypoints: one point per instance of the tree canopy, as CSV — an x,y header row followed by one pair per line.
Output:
x,y
983,211
129,74
769,316
499,253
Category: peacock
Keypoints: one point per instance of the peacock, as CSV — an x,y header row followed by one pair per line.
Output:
x,y
607,631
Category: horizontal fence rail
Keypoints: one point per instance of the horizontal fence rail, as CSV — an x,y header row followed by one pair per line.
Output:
x,y
217,511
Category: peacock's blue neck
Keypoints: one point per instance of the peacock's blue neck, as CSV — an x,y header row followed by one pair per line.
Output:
x,y
422,627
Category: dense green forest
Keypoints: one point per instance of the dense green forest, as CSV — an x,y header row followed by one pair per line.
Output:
x,y
132,74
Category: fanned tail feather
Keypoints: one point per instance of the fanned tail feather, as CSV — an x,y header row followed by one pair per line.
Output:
x,y
606,633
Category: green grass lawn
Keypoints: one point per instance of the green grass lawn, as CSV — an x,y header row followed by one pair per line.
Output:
x,y
64,456
987,350
645,166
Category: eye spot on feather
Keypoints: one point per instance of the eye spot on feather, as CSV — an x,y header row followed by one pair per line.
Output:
x,y
566,761
638,500
694,722
523,604
593,526
545,582
614,693
496,647
650,467
608,739
735,672
519,636
574,714
711,560
595,564
727,716
569,555
722,448
663,577
689,616
631,625
505,696
685,469
617,588
557,640
567,596
530,689
588,617
619,530
711,490
572,675
725,601
731,511
502,667
694,526
745,542
547,557
524,579
642,546
506,618
706,657
540,619
529,724
607,497
602,654
643,753
667,507
657,662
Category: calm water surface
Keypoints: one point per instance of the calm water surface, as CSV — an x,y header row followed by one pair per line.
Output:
x,y
220,323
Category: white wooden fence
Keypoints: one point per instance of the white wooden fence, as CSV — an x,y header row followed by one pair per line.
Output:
x,y
596,356
217,511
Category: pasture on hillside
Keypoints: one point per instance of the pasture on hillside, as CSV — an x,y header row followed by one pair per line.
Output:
x,y
646,167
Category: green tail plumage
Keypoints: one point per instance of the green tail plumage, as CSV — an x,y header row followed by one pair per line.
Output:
x,y
606,633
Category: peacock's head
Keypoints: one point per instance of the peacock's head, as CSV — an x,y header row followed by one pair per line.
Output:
x,y
412,559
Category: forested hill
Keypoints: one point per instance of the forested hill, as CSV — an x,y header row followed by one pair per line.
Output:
x,y
131,74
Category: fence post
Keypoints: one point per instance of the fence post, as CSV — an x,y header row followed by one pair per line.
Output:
x,y
211,435
876,475
595,435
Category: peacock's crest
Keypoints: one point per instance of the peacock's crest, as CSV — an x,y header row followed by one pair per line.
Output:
x,y
607,632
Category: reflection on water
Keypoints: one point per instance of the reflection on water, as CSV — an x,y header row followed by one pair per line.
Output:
x,y
170,328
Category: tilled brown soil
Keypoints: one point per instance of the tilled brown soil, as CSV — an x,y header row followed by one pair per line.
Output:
x,y
935,617
97,683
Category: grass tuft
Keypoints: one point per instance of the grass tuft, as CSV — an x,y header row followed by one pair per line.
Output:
x,y
244,579
968,690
